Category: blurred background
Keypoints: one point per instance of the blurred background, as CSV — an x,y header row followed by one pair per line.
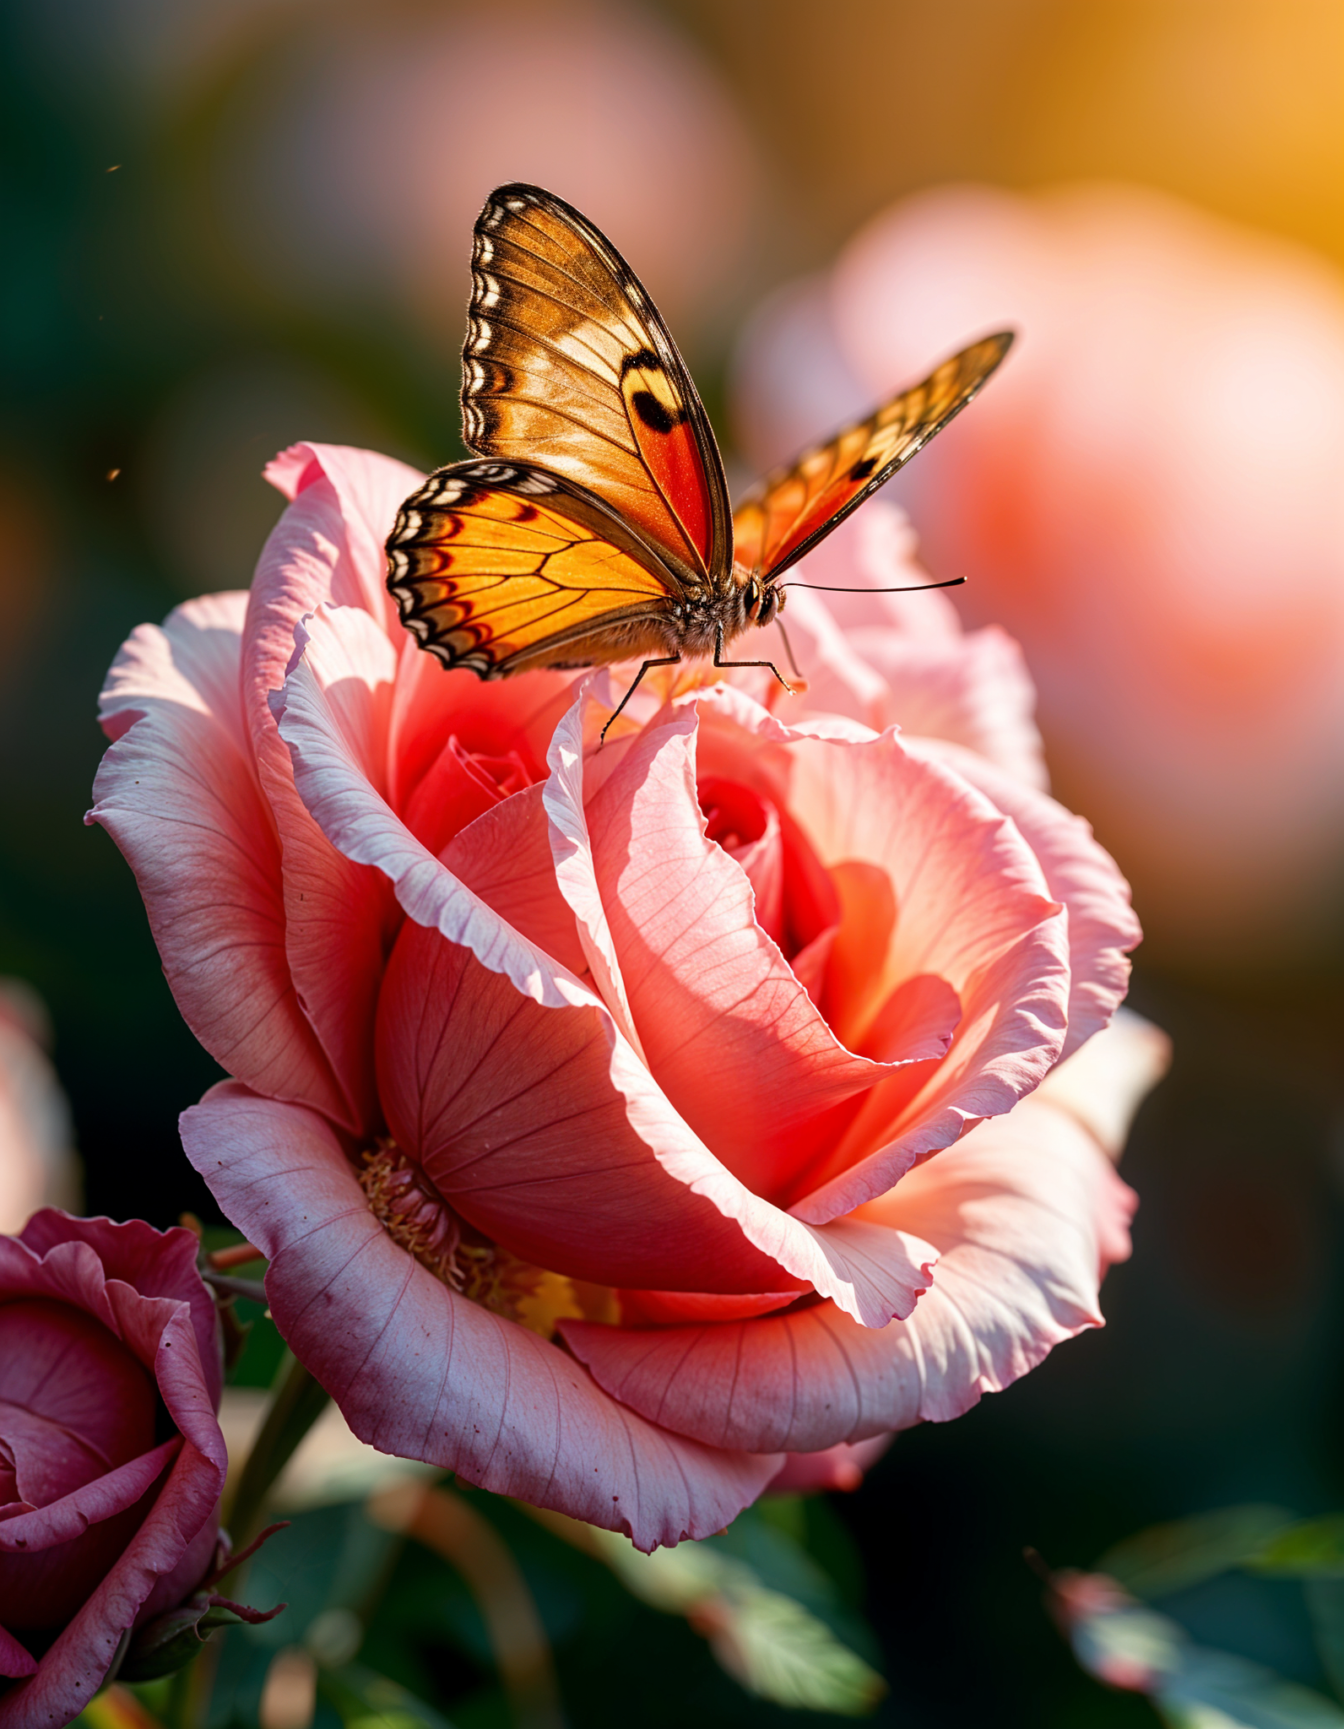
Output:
x,y
230,224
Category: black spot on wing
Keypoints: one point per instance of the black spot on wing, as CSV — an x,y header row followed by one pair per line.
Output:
x,y
861,470
642,360
655,415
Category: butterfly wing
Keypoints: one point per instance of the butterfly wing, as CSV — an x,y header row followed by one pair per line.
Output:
x,y
787,513
501,567
568,364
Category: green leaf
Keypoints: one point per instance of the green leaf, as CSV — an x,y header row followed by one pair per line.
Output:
x,y
773,1645
1167,1558
366,1700
780,1651
1313,1549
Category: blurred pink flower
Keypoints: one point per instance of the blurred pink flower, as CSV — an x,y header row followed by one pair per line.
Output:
x,y
584,1100
111,1458
37,1165
356,163
1148,497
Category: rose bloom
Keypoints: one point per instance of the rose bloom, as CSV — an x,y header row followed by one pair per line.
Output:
x,y
111,1458
625,1126
1147,495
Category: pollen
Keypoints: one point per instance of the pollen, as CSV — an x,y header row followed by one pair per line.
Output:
x,y
417,1218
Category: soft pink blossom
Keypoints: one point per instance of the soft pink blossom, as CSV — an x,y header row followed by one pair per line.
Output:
x,y
37,1165
585,1100
111,1458
1147,496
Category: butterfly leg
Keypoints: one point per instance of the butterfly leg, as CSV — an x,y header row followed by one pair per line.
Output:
x,y
788,649
719,661
667,660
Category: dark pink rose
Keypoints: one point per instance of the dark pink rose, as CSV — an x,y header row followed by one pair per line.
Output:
x,y
586,1102
111,1458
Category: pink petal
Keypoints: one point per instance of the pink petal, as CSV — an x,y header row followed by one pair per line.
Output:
x,y
1104,1084
73,1402
973,912
1102,925
1025,1211
422,1372
352,497
154,1263
728,1031
840,1467
658,1308
350,811
975,691
178,793
14,1660
327,549
161,1564
511,1109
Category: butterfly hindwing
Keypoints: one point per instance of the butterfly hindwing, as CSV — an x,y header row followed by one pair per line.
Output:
x,y
501,566
788,512
567,364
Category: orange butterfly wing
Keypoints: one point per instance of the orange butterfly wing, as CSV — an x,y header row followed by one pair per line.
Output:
x,y
501,567
787,513
567,364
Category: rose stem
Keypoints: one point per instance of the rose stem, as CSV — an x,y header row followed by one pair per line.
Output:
x,y
297,1401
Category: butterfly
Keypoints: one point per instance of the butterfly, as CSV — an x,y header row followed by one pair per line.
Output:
x,y
594,524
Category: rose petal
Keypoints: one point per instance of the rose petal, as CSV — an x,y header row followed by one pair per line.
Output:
x,y
326,549
1025,1211
729,1033
840,1467
422,1372
511,1109
1078,872
352,814
178,793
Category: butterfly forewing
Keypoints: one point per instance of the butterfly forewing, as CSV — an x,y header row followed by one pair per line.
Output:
x,y
567,364
499,566
788,512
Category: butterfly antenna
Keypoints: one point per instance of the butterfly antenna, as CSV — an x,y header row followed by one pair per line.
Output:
x,y
907,588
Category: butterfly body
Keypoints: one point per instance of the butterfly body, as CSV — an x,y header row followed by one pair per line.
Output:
x,y
594,525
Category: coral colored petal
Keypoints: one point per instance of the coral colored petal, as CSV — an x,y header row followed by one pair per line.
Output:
x,y
1025,1212
1102,925
325,550
178,793
968,905
352,814
422,1372
730,1034
658,1308
511,1109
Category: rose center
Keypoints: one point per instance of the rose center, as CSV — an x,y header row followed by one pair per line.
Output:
x,y
415,1215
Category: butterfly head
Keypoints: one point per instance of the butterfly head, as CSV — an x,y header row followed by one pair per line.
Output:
x,y
763,600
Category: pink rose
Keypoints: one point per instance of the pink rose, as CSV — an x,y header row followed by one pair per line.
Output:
x,y
111,1458
1147,496
584,1100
